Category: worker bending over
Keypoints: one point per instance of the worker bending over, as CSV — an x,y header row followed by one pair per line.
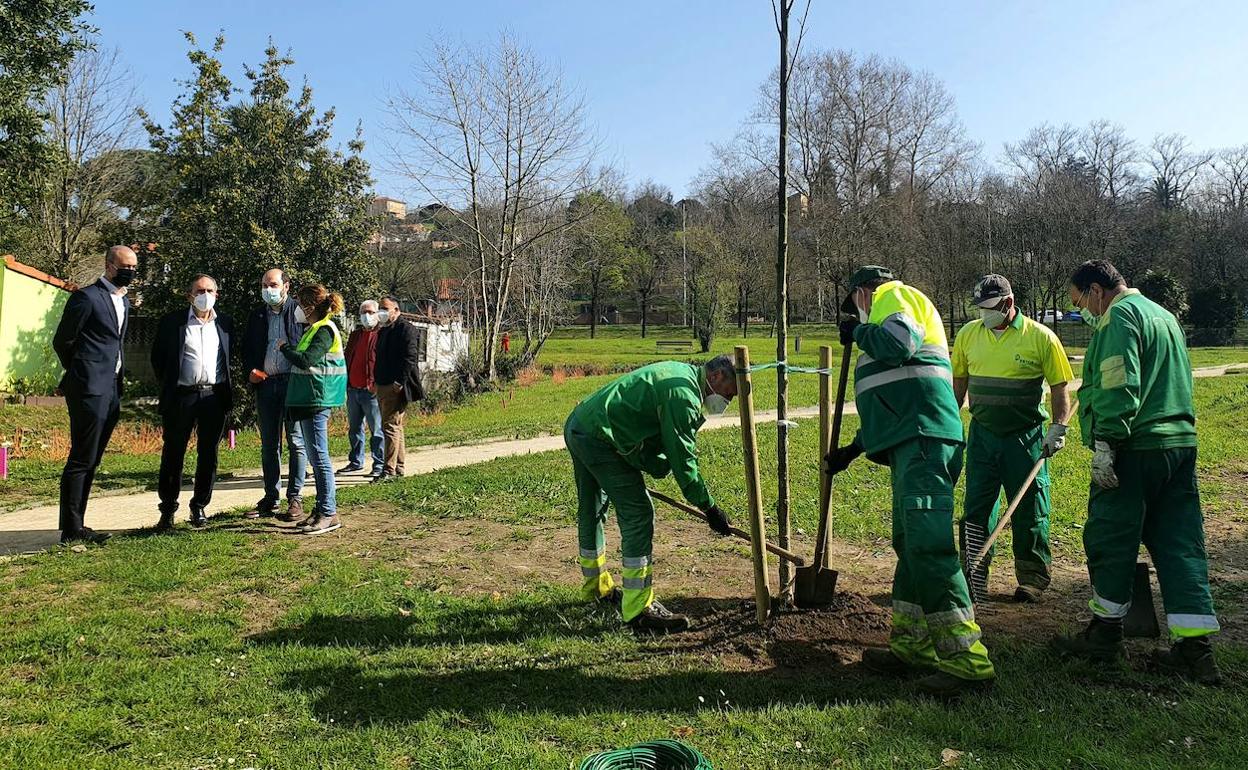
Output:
x,y
903,387
1003,360
644,422
1136,414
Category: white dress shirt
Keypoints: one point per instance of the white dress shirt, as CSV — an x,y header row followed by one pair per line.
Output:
x,y
202,363
118,295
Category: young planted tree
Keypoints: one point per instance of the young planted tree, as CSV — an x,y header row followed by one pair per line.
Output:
x,y
495,136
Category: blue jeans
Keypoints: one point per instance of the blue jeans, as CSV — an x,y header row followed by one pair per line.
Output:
x,y
316,434
271,407
363,409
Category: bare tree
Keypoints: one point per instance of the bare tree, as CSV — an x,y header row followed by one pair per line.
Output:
x,y
1175,168
92,117
497,136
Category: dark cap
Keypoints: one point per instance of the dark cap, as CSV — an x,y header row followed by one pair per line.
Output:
x,y
862,275
990,290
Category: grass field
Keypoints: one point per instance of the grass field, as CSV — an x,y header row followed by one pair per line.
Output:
x,y
439,629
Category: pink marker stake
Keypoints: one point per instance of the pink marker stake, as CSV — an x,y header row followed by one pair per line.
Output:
x,y
4,462
231,438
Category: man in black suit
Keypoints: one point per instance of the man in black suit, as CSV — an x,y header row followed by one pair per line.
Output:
x,y
191,358
397,380
88,342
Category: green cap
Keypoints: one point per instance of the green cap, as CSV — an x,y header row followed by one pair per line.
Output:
x,y
863,275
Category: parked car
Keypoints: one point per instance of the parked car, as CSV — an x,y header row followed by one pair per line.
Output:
x,y
1074,317
1049,316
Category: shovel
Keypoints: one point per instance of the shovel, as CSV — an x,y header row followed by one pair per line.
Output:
x,y
816,583
783,553
1141,619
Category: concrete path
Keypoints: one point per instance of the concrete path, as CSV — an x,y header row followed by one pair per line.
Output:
x,y
36,528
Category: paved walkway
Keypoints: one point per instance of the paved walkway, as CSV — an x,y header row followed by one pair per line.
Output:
x,y
36,528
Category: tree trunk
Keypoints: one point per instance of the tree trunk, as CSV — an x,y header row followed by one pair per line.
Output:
x,y
782,307
645,310
593,309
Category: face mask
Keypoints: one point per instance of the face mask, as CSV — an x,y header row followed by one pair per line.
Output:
x,y
204,302
992,318
714,404
383,316
863,315
1089,318
300,316
124,277
368,320
271,296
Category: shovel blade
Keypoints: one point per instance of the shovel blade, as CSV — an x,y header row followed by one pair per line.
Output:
x,y
1141,619
816,587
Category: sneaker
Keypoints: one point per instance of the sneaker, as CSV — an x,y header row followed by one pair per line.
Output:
x,y
294,510
381,478
322,525
199,519
1190,658
946,686
657,619
308,522
1028,594
350,468
883,660
1101,641
263,510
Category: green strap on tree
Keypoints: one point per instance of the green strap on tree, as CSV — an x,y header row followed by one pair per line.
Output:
x,y
651,755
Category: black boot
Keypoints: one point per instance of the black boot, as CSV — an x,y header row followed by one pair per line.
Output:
x,y
883,660
1101,641
657,619
1191,659
166,522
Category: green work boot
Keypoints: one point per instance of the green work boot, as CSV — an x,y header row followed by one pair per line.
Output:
x,y
1191,659
657,619
883,660
946,686
1101,641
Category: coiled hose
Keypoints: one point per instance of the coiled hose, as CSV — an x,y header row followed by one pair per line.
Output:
x,y
651,755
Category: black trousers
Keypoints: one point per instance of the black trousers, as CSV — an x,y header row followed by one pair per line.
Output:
x,y
199,411
91,423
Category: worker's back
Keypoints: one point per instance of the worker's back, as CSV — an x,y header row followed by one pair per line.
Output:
x,y
628,411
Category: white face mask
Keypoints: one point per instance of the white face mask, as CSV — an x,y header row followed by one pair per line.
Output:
x,y
714,404
271,296
863,315
300,316
368,320
992,317
383,317
204,302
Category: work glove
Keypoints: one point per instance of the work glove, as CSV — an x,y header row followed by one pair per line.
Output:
x,y
718,520
839,459
847,330
1055,439
1103,465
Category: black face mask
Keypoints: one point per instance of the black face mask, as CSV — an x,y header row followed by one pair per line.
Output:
x,y
124,276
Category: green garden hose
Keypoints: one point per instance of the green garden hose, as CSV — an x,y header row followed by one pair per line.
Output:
x,y
651,755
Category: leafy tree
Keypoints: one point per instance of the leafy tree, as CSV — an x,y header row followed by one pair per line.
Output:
x,y
38,39
255,185
1164,289
655,221
600,245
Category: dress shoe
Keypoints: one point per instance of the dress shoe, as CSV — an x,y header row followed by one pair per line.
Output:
x,y
350,468
85,535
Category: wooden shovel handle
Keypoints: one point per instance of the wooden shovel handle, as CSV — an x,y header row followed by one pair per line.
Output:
x,y
825,479
785,554
1005,517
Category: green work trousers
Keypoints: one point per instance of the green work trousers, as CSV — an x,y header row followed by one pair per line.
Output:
x,y
933,618
993,462
605,478
1156,502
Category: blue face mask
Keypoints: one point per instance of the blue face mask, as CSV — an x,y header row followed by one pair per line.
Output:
x,y
1091,319
271,295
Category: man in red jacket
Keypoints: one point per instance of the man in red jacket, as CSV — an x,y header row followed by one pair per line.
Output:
x,y
362,405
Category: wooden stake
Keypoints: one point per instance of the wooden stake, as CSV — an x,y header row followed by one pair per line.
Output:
x,y
749,449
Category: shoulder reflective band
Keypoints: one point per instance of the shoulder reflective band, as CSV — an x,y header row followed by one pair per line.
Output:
x,y
901,373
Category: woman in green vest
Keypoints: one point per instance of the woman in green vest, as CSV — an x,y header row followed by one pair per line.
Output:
x,y
318,383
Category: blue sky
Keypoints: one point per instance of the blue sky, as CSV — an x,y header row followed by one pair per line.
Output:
x,y
664,78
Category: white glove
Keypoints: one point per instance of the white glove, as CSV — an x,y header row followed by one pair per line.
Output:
x,y
1103,466
1055,439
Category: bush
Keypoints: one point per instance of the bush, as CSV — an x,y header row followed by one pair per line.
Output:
x,y
1215,313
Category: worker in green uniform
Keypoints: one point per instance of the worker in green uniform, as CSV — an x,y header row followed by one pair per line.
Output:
x,y
643,422
1136,414
1002,359
903,387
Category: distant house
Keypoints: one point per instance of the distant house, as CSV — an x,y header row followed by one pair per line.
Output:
x,y
31,302
391,207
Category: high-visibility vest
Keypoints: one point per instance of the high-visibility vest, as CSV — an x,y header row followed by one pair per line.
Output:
x,y
323,385
903,383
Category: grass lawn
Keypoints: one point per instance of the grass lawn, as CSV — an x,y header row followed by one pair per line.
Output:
x,y
440,629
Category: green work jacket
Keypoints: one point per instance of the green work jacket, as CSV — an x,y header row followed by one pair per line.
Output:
x,y
651,417
318,375
903,383
1137,379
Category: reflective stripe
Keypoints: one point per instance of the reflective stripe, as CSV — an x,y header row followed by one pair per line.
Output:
x,y
951,617
325,370
905,330
1107,609
589,553
1192,625
1006,382
591,571
991,399
934,350
901,373
634,562
637,584
955,643
908,609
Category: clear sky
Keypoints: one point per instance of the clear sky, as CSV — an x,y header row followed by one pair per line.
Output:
x,y
663,78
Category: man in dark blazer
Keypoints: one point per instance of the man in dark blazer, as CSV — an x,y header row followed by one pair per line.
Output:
x,y
88,342
397,379
191,359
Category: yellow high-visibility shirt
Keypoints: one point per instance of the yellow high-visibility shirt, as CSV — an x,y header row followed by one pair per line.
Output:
x,y
1007,373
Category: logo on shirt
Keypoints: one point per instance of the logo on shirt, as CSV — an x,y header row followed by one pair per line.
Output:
x,y
1018,359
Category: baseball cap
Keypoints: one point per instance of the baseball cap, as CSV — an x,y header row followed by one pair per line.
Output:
x,y
990,290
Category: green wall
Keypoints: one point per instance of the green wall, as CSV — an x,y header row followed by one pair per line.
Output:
x,y
29,312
